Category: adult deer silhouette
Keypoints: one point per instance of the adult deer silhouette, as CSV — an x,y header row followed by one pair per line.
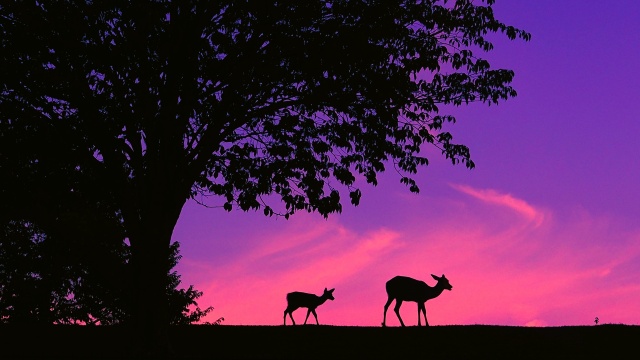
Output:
x,y
402,288
297,300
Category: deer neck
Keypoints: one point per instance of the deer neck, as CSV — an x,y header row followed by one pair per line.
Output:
x,y
321,300
435,291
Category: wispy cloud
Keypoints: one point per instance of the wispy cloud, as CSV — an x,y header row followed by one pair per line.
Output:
x,y
510,263
252,289
507,200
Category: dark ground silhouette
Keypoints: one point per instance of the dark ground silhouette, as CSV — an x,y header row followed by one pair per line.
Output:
x,y
329,342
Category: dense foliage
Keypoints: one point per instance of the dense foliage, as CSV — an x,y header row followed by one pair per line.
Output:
x,y
47,281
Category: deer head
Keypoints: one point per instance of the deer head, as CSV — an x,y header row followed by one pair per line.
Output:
x,y
443,282
328,294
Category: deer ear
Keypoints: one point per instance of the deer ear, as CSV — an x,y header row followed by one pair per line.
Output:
x,y
435,277
331,291
325,289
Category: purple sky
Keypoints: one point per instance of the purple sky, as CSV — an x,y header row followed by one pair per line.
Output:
x,y
545,230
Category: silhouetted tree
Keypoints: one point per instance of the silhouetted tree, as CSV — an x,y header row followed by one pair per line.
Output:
x,y
25,282
47,281
183,307
163,101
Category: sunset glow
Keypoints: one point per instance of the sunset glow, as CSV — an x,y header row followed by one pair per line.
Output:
x,y
544,232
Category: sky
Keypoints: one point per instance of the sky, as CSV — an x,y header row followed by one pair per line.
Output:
x,y
545,231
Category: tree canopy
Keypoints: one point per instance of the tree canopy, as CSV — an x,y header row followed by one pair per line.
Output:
x,y
246,98
253,103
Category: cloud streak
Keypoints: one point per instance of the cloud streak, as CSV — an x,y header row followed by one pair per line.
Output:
x,y
490,196
322,254
538,268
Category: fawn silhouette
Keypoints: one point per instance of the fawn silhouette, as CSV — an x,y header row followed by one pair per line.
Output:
x,y
297,300
402,288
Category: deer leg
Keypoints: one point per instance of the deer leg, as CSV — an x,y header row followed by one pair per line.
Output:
x,y
419,309
315,315
384,316
290,312
397,310
305,319
424,312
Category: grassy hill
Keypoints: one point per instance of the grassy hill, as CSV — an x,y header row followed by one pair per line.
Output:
x,y
330,342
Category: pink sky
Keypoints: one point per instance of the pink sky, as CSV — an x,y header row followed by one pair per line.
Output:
x,y
544,232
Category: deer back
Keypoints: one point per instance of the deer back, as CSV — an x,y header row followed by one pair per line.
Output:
x,y
409,289
301,299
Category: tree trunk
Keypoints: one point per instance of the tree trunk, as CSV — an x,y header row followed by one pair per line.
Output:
x,y
149,302
150,265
